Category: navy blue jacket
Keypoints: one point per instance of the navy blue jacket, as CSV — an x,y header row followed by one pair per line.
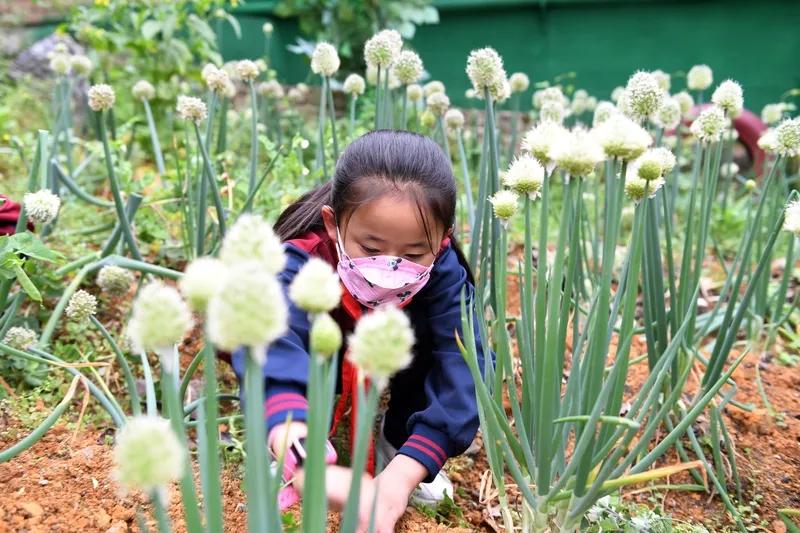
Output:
x,y
445,420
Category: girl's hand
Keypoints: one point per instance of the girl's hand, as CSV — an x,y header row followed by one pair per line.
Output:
x,y
392,487
282,435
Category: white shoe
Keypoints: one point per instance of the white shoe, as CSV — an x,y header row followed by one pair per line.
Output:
x,y
426,493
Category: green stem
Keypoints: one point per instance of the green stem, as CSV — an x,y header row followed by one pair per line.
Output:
x,y
256,467
123,364
115,189
151,124
254,137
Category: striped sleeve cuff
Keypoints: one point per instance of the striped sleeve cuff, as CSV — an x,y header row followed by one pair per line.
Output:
x,y
429,447
282,403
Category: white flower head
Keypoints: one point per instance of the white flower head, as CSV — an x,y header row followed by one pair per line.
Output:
x,y
20,338
485,71
41,206
617,93
768,141
773,113
668,115
643,95
316,287
202,280
148,454
505,204
549,94
81,306
552,111
408,67
438,103
354,85
415,92
664,80
216,79
160,319
787,137
114,280
432,87
248,310
603,112
791,221
454,119
143,90
325,60
191,108
519,82
621,137
247,70
580,102
81,65
729,170
578,153
685,102
382,49
501,92
540,140
101,97
653,164
61,64
267,28
251,238
271,89
699,78
728,96
525,175
638,189
325,336
381,343
709,125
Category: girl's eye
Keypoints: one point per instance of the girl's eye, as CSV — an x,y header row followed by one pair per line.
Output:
x,y
414,257
370,251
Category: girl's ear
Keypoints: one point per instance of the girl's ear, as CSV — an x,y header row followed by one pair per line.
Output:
x,y
329,220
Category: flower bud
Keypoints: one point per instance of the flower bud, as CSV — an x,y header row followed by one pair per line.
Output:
x,y
81,306
41,206
147,454
316,287
114,280
20,338
381,343
325,336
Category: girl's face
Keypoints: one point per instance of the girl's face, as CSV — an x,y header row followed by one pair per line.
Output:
x,y
389,225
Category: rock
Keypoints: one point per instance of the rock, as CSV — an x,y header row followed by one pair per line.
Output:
x,y
31,509
118,527
101,518
120,513
778,526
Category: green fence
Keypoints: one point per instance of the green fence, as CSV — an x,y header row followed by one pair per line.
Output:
x,y
601,41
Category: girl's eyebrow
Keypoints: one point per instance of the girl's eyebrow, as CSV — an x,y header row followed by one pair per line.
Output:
x,y
418,244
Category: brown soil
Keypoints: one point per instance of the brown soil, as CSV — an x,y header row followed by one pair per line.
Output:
x,y
64,483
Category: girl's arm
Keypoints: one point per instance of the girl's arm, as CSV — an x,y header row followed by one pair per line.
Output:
x,y
449,422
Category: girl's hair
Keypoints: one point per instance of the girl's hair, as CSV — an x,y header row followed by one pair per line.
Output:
x,y
378,163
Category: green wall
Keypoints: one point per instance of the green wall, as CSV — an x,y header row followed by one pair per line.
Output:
x,y
603,42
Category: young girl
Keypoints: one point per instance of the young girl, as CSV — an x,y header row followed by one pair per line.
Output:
x,y
391,203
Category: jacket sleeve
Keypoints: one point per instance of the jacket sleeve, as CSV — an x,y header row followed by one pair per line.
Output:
x,y
449,422
286,369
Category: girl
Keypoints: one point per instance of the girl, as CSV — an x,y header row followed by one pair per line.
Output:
x,y
391,202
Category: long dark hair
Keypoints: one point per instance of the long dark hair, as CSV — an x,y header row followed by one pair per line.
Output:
x,y
373,165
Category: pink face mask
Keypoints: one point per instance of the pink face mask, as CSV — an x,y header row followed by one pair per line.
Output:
x,y
380,280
